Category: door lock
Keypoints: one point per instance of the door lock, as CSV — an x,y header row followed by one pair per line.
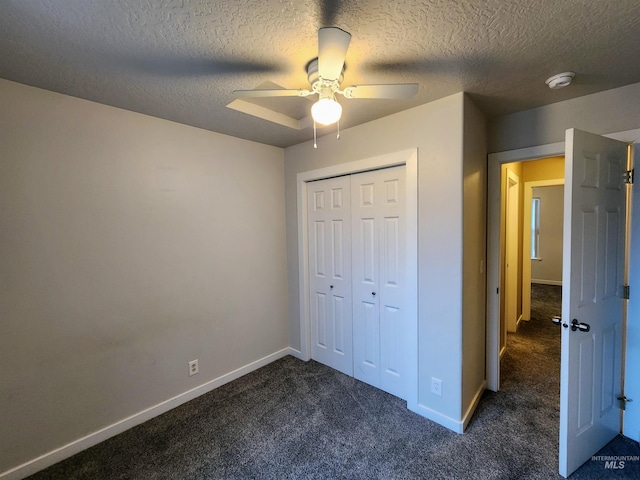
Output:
x,y
558,321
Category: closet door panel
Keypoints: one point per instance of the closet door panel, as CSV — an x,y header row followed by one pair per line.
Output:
x,y
393,325
378,278
329,232
365,268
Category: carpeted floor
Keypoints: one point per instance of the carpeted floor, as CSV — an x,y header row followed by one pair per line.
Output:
x,y
296,420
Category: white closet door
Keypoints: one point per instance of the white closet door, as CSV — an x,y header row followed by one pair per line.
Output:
x,y
378,239
329,224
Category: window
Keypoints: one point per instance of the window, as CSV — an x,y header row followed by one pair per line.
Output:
x,y
535,228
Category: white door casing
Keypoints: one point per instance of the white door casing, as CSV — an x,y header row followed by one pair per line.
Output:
x,y
379,282
512,256
330,272
494,266
593,268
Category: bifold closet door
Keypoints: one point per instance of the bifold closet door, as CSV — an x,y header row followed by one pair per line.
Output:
x,y
329,223
378,257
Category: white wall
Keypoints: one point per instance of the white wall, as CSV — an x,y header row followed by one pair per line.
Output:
x,y
548,269
436,129
129,246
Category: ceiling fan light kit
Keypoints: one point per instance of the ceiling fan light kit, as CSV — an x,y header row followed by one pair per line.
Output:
x,y
326,111
325,75
560,80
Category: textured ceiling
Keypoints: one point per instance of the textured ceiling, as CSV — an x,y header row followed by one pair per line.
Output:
x,y
181,59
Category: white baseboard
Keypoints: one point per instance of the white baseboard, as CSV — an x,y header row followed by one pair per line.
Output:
x,y
474,404
66,451
298,354
542,281
437,417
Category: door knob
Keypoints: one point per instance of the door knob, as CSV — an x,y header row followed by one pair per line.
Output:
x,y
331,287
576,325
373,293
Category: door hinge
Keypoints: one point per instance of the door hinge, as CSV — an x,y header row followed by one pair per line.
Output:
x,y
628,176
626,292
623,402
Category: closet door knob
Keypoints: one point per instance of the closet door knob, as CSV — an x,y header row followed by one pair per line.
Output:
x,y
373,293
331,287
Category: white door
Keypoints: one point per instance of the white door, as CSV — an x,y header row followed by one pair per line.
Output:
x,y
329,224
379,318
592,280
512,255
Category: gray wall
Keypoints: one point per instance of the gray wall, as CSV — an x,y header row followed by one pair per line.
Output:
x,y
129,246
436,129
605,112
548,269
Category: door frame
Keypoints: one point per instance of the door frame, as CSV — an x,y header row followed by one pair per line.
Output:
x,y
512,318
494,270
495,162
405,157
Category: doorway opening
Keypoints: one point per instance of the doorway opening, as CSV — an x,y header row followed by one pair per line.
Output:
x,y
532,207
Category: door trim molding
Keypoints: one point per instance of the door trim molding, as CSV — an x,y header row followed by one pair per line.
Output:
x,y
405,157
496,160
511,181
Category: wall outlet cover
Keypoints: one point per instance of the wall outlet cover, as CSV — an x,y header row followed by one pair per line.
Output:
x,y
436,386
193,367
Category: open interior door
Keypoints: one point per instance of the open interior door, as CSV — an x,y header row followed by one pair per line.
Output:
x,y
592,304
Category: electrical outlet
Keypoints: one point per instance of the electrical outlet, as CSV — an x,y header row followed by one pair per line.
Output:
x,y
436,386
193,367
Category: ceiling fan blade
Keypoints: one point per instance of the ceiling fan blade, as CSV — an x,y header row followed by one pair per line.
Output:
x,y
398,90
275,92
329,10
189,66
333,44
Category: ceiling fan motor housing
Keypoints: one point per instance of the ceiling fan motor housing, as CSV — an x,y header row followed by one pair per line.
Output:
x,y
317,82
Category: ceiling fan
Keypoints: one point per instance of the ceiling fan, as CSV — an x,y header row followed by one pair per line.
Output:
x,y
325,75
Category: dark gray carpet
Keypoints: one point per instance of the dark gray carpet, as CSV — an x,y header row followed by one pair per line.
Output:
x,y
296,420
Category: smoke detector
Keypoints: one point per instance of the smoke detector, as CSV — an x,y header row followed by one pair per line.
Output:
x,y
560,80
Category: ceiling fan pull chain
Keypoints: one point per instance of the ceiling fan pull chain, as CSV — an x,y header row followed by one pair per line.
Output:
x,y
315,137
338,137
